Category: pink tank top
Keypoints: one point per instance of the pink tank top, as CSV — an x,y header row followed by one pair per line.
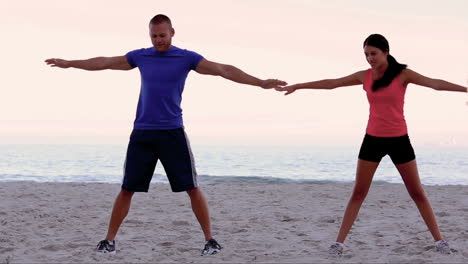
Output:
x,y
386,117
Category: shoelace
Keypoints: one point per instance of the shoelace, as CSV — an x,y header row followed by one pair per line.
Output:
x,y
335,246
336,249
444,247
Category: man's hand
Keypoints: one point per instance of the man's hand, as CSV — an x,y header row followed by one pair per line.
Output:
x,y
57,63
288,89
272,83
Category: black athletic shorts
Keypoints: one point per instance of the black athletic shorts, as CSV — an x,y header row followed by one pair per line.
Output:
x,y
398,148
171,147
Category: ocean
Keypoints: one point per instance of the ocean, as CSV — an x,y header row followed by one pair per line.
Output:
x,y
259,164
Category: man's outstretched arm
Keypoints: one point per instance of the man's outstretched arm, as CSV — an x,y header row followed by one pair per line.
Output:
x,y
93,64
234,74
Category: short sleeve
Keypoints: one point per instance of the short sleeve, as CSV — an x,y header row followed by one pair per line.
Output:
x,y
194,58
132,57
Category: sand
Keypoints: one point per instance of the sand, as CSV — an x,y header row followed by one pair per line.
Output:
x,y
255,223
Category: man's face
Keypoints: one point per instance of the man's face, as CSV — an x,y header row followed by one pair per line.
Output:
x,y
161,36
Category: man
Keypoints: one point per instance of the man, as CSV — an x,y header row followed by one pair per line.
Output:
x,y
158,132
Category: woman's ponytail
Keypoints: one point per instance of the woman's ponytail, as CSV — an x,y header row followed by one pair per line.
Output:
x,y
394,68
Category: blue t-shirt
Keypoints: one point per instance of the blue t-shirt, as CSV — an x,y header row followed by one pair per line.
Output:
x,y
163,76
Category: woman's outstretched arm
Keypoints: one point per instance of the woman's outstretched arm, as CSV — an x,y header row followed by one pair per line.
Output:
x,y
411,76
328,84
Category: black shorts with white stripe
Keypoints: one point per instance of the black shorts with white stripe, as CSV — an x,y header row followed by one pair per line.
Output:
x,y
171,147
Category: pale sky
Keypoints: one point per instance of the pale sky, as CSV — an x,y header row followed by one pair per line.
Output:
x,y
292,40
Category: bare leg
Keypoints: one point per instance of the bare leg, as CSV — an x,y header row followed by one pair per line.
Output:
x,y
200,209
119,212
364,174
410,176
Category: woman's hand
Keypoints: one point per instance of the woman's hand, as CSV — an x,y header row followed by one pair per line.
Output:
x,y
288,89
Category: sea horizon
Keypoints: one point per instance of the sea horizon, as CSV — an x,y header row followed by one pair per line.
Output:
x,y
250,164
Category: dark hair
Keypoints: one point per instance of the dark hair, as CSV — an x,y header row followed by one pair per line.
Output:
x,y
158,19
394,68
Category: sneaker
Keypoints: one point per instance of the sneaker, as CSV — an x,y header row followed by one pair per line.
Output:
x,y
211,247
443,247
106,246
336,249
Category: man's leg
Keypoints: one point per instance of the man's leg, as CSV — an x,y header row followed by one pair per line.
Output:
x,y
178,162
140,163
201,211
119,212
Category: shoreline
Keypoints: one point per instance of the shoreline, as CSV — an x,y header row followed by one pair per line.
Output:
x,y
213,180
255,223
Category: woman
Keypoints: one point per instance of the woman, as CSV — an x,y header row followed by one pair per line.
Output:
x,y
385,84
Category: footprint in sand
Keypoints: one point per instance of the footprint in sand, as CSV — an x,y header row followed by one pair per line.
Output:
x,y
442,214
5,250
132,221
288,219
77,245
180,223
239,231
429,248
327,219
377,234
166,244
53,247
360,243
401,249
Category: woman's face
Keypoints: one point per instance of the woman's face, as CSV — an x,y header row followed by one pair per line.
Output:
x,y
375,56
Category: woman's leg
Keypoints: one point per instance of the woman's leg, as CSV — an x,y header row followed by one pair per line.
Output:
x,y
364,174
410,176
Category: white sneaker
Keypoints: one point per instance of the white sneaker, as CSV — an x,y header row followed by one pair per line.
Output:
x,y
336,249
443,247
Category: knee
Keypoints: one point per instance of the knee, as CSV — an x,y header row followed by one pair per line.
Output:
x,y
194,192
359,194
126,194
418,196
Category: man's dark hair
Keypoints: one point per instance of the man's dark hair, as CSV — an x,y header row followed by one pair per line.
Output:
x,y
394,67
158,19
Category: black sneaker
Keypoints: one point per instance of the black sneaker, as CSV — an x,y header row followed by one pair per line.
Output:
x,y
211,247
106,246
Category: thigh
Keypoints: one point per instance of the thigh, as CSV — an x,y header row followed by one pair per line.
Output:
x,y
410,175
140,162
177,159
364,173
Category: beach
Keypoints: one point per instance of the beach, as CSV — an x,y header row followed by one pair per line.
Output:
x,y
255,223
